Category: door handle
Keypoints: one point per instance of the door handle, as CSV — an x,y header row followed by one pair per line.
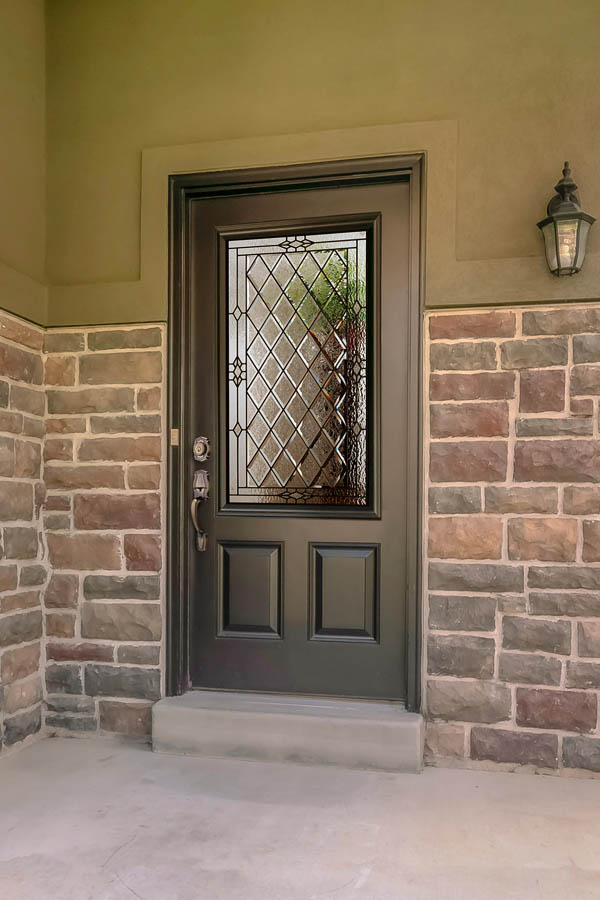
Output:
x,y
201,536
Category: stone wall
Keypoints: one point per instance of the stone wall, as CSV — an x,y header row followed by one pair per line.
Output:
x,y
513,538
23,570
103,461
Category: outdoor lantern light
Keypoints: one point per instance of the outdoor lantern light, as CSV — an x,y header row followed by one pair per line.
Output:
x,y
566,228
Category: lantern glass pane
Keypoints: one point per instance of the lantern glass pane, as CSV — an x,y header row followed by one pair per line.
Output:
x,y
566,230
584,230
550,244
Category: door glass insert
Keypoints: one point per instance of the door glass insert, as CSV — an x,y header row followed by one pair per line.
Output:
x,y
297,373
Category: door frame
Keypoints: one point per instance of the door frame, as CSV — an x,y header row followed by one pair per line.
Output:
x,y
183,190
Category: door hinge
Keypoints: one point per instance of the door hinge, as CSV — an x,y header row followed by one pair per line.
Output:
x,y
174,437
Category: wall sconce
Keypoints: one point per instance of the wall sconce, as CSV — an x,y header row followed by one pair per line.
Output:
x,y
566,228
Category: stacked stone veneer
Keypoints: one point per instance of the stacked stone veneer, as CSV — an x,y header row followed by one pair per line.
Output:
x,y
23,569
103,459
512,616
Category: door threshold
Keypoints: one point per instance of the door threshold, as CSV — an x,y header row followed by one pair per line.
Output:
x,y
360,734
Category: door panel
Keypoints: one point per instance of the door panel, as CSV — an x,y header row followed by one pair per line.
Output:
x,y
299,320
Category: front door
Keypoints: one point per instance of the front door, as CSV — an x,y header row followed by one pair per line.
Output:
x,y
299,331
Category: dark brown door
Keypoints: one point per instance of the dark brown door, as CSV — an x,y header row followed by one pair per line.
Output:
x,y
299,324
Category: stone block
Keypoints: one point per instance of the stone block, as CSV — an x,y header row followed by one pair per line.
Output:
x,y
27,400
58,503
480,386
468,701
512,499
542,390
34,427
11,422
566,320
554,709
20,333
465,537
472,325
581,406
122,621
581,753
536,427
22,600
4,394
581,500
58,448
445,740
21,694
20,365
71,723
564,578
60,625
32,576
591,541
555,603
60,370
583,675
123,339
139,654
127,424
476,578
90,400
121,717
463,356
118,587
72,478
588,639
66,425
84,552
63,679
122,681
549,540
461,656
585,380
21,725
462,613
63,342
501,746
142,552
519,633
534,354
71,703
468,461
143,478
57,522
20,662
140,367
8,578
28,459
121,449
7,456
16,501
148,398
80,651
469,420
529,668
20,542
117,511
448,500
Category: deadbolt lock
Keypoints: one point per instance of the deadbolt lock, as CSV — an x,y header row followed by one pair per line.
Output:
x,y
201,449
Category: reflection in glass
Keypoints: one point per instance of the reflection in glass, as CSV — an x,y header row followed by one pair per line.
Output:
x,y
297,370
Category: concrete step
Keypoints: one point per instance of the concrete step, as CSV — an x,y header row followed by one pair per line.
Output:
x,y
357,734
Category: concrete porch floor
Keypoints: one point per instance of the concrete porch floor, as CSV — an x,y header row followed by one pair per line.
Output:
x,y
104,820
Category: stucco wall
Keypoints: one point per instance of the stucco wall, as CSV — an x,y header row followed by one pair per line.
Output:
x,y
124,76
22,158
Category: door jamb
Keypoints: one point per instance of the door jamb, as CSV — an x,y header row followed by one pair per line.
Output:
x,y
183,189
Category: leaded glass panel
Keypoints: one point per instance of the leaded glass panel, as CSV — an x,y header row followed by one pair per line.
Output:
x,y
297,326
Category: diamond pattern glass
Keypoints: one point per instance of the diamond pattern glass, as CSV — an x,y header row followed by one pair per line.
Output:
x,y
297,370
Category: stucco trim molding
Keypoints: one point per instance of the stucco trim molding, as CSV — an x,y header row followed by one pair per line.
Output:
x,y
449,282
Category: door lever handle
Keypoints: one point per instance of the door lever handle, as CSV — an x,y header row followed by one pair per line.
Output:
x,y
200,485
201,536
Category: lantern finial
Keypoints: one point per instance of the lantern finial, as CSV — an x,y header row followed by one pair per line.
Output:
x,y
565,199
